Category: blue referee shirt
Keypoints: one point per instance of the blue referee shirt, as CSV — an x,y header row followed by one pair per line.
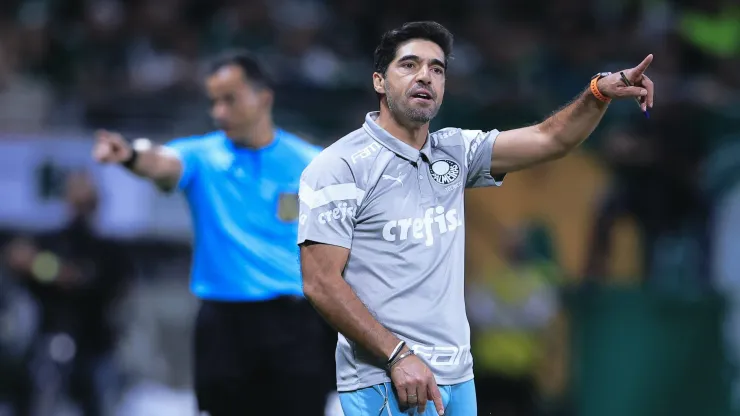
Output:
x,y
244,208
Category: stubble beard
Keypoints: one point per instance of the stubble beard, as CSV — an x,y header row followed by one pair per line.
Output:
x,y
409,114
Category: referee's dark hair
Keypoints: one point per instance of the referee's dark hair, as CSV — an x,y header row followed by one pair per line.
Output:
x,y
253,69
386,51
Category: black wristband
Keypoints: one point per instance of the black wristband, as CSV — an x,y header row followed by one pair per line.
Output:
x,y
129,163
396,351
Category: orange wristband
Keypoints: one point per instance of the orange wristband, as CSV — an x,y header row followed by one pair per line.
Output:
x,y
595,91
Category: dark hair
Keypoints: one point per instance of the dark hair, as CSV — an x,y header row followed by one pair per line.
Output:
x,y
392,39
250,65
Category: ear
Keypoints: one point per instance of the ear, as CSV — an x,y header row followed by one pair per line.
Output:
x,y
378,83
267,97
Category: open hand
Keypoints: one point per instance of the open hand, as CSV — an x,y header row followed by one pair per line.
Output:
x,y
642,87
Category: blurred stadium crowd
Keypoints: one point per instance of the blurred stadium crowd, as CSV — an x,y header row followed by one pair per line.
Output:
x,y
652,203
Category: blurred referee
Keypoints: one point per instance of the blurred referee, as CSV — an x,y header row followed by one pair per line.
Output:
x,y
256,338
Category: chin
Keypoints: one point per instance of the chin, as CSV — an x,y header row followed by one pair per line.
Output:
x,y
408,113
417,116
420,120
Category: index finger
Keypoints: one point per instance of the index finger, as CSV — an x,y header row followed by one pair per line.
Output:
x,y
436,397
642,66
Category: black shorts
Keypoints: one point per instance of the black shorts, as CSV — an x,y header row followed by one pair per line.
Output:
x,y
273,357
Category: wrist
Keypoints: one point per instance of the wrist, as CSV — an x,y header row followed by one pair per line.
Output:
x,y
400,357
135,148
596,91
592,100
131,159
596,87
393,350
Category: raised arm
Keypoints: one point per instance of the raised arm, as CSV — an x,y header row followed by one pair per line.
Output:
x,y
152,162
563,131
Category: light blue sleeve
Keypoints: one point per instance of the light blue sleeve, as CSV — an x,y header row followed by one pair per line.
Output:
x,y
189,151
306,151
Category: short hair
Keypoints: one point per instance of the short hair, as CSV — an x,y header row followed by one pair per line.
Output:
x,y
253,69
392,39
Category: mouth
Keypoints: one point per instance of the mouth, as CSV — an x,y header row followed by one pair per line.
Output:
x,y
422,96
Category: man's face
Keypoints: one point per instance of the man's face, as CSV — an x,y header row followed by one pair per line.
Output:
x,y
414,83
236,105
81,194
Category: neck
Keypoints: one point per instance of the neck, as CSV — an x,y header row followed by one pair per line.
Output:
x,y
414,135
81,217
261,134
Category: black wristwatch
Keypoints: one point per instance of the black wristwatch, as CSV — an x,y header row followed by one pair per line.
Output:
x,y
129,163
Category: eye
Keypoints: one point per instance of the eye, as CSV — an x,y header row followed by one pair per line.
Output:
x,y
438,70
407,65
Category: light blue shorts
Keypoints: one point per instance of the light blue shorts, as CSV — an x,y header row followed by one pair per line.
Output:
x,y
381,400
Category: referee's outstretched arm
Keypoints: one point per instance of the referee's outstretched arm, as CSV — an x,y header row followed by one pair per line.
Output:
x,y
151,162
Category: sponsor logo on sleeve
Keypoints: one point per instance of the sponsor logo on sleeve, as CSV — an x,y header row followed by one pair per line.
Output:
x,y
337,214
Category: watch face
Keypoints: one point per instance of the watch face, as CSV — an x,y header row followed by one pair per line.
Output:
x,y
601,75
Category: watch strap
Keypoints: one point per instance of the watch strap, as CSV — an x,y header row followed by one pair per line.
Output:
x,y
595,88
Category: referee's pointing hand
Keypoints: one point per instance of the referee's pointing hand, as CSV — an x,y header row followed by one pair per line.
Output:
x,y
642,87
415,384
110,147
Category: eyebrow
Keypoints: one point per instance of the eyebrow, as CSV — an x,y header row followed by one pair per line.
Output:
x,y
415,58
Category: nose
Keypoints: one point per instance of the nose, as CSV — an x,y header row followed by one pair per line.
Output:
x,y
424,75
218,112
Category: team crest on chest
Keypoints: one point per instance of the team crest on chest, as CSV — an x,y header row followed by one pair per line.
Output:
x,y
287,209
444,171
